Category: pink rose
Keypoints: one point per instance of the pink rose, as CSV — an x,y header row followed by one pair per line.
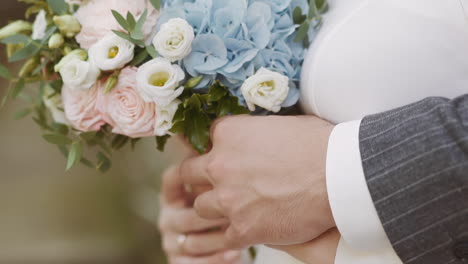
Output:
x,y
125,110
97,20
81,109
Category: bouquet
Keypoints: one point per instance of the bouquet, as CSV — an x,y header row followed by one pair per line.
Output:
x,y
110,72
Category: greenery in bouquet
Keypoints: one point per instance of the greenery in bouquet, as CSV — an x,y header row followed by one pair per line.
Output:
x,y
105,73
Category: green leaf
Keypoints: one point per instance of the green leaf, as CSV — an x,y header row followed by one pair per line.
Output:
x,y
322,6
137,32
18,88
119,142
59,7
298,17
131,21
161,142
5,73
75,154
302,32
87,163
193,82
22,114
28,51
56,139
152,51
197,130
156,4
140,57
104,163
121,20
123,35
313,11
133,142
16,39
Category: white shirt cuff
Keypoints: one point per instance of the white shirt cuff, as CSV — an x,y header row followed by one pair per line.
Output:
x,y
351,203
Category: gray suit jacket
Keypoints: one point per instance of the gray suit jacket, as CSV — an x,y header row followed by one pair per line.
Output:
x,y
416,163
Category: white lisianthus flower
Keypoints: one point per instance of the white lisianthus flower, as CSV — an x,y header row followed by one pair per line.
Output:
x,y
165,117
266,89
75,54
174,39
55,105
79,75
39,26
159,81
112,52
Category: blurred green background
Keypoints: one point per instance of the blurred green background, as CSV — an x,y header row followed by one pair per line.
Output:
x,y
49,216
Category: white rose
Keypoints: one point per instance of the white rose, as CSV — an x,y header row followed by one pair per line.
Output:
x,y
55,105
158,81
174,39
112,52
266,89
79,75
39,26
164,118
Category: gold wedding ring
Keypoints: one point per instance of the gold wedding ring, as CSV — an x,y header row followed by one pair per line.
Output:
x,y
188,188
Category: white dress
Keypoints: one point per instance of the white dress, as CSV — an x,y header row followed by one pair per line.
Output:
x,y
376,55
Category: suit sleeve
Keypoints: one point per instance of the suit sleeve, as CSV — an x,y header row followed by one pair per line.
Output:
x,y
415,162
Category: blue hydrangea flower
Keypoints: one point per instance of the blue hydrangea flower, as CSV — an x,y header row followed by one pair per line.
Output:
x,y
235,38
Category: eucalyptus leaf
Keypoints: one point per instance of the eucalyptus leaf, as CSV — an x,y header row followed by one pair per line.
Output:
x,y
152,51
57,139
59,7
22,114
18,88
28,51
5,73
75,154
104,163
121,20
16,39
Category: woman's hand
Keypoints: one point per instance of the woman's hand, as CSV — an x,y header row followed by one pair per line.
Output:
x,y
321,250
187,238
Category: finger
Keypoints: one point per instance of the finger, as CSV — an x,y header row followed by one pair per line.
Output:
x,y
188,221
207,206
194,170
172,187
195,244
229,257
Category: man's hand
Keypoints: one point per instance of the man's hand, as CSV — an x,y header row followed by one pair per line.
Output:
x,y
321,250
268,178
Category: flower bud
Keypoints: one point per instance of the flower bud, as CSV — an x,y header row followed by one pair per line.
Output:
x,y
15,28
68,25
56,41
78,53
28,67
111,82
